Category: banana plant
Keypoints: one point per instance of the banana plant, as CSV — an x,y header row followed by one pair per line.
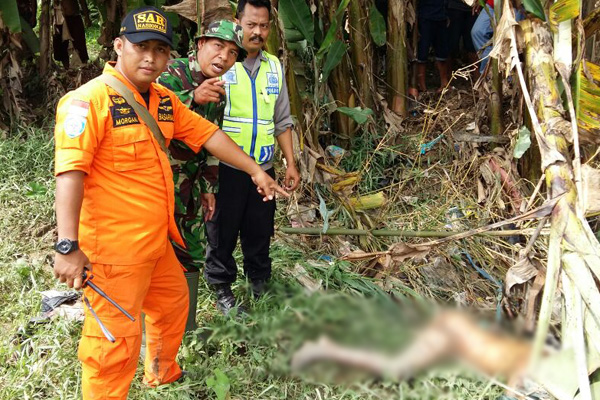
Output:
x,y
10,72
559,112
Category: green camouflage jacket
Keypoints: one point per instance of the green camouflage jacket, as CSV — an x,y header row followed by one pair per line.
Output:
x,y
193,173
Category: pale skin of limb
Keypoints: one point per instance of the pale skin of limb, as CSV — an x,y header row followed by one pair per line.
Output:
x,y
69,196
451,335
209,91
292,177
208,201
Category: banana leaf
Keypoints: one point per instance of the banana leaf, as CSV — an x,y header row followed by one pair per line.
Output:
x,y
588,95
377,26
591,23
331,32
334,57
297,13
30,38
9,13
563,10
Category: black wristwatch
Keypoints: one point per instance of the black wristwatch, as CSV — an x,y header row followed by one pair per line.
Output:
x,y
66,246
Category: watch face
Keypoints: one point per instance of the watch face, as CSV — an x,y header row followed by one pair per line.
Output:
x,y
64,246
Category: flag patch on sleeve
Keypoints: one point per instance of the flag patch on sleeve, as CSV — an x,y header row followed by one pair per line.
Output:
x,y
76,118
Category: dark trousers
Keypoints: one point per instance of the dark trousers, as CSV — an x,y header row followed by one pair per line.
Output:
x,y
432,33
461,23
240,211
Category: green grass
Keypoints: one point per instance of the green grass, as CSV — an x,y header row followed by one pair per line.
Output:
x,y
40,362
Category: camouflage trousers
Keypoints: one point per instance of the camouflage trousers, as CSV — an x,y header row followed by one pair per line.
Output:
x,y
193,231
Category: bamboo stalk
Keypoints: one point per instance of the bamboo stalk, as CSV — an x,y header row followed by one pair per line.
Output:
x,y
362,50
496,93
338,81
275,42
496,100
392,232
397,57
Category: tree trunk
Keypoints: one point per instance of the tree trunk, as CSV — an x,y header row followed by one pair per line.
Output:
x,y
276,45
362,50
214,10
275,39
45,56
115,11
339,84
397,60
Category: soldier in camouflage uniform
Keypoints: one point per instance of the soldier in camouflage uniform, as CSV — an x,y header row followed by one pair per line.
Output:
x,y
196,81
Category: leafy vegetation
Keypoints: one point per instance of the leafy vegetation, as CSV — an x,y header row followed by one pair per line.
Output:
x,y
423,176
224,357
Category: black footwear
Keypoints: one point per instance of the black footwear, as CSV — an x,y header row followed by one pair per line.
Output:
x,y
258,288
226,300
182,377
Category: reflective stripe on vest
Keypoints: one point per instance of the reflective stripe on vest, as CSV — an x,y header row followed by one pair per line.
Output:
x,y
248,119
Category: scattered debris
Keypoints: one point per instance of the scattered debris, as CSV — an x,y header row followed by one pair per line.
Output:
x,y
65,305
302,276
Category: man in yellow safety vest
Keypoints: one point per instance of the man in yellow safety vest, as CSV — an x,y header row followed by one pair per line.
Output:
x,y
256,113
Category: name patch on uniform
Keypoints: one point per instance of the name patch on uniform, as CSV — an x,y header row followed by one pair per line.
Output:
x,y
272,83
165,109
76,118
122,113
230,76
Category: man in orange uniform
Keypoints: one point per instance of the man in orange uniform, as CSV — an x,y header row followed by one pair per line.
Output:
x,y
114,208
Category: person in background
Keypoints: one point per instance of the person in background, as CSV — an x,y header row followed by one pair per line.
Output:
x,y
483,31
257,113
195,80
432,23
462,17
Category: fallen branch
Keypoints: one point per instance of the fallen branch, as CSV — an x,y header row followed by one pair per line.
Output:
x,y
540,212
469,137
397,233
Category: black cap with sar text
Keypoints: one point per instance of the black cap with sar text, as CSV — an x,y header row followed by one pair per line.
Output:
x,y
147,23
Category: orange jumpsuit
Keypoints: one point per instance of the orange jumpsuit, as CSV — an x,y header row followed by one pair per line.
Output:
x,y
125,223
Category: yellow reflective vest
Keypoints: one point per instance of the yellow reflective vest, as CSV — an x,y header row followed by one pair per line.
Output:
x,y
250,107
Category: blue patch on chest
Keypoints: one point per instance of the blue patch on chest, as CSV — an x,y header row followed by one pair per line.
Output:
x,y
266,153
230,76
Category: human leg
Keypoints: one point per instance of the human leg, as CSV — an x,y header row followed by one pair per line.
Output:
x,y
423,45
481,33
223,229
441,48
471,52
166,308
454,31
108,368
255,235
